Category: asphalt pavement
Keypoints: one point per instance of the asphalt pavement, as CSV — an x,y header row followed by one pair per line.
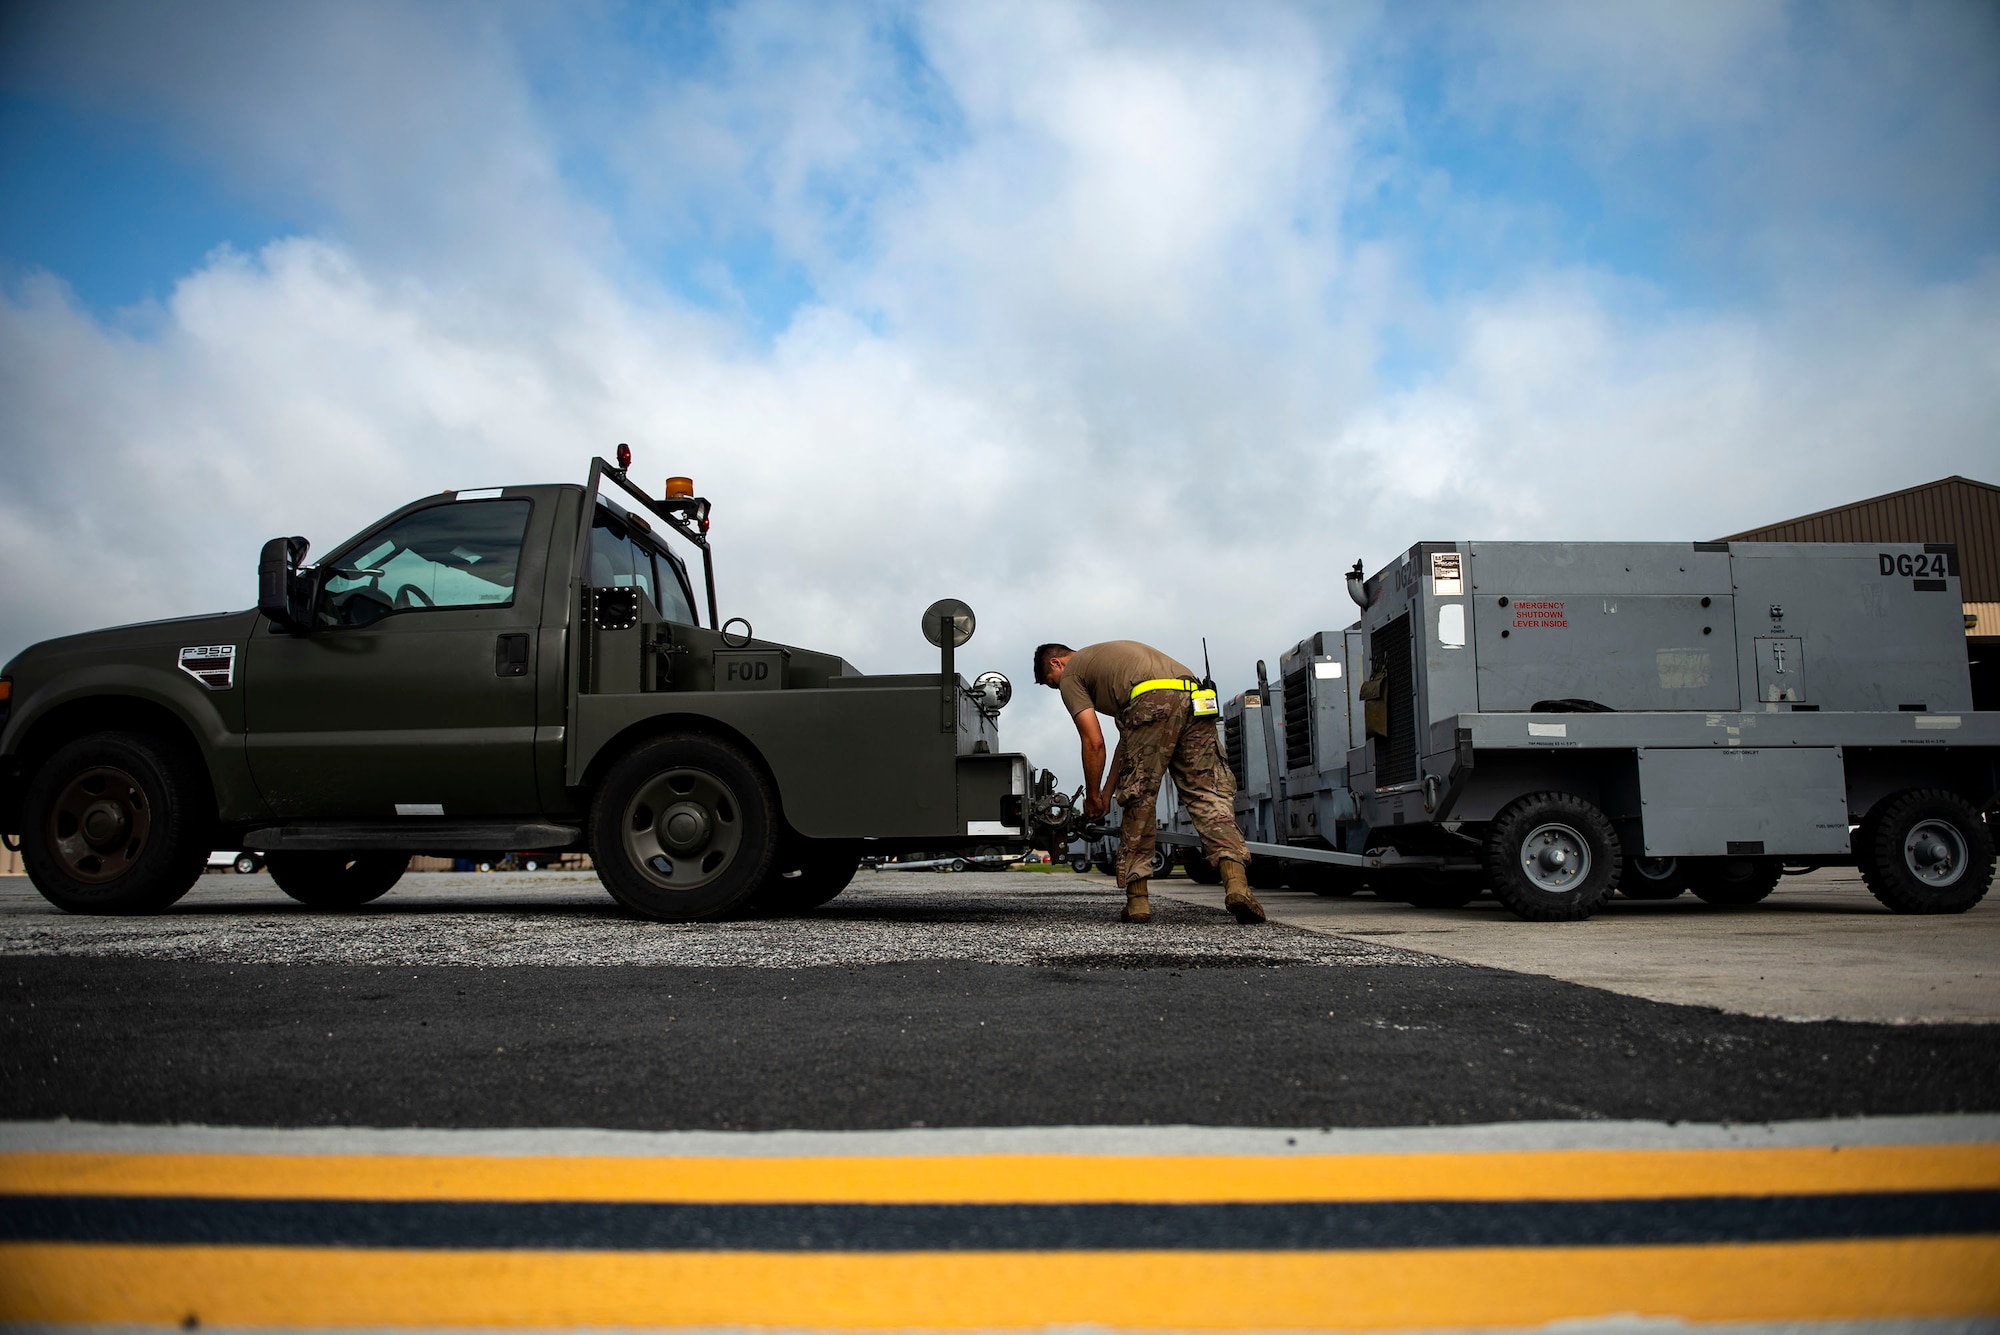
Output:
x,y
913,1000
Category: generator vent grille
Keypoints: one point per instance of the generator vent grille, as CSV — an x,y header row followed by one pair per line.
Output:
x,y
1397,758
1232,746
1298,717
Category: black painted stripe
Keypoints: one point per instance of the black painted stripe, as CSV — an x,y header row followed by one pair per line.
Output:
x,y
1289,1226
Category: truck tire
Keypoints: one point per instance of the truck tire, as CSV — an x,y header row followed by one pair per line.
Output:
x,y
1199,869
1928,851
1653,878
805,874
1552,857
336,880
683,828
1079,865
116,822
1733,882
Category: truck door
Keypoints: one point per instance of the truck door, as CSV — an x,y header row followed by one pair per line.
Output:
x,y
414,692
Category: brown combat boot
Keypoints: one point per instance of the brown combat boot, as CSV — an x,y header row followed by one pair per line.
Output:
x,y
1137,907
1236,896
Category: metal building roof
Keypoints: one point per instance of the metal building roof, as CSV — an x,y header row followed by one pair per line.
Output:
x,y
1952,509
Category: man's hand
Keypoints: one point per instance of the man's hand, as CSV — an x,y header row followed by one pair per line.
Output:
x,y
1095,805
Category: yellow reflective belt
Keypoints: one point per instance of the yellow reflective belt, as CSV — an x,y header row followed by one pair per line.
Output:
x,y
1166,684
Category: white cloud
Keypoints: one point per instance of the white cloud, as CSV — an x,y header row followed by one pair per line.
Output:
x,y
1093,352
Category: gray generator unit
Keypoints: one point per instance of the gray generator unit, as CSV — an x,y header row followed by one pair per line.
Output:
x,y
1574,717
1322,724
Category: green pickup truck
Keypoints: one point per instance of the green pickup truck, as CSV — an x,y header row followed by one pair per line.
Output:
x,y
518,669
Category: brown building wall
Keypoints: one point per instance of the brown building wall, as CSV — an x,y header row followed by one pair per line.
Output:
x,y
1954,509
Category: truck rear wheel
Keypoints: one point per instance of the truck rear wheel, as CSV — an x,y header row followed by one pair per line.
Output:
x,y
1733,882
116,823
683,829
1653,878
1551,857
1927,851
807,873
336,880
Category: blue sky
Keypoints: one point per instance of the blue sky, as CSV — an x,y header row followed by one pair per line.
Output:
x,y
1075,310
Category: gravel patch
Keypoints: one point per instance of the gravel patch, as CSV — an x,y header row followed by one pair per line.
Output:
x,y
1047,920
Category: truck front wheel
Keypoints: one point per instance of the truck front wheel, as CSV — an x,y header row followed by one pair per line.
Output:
x,y
115,823
683,829
1551,857
1926,851
336,880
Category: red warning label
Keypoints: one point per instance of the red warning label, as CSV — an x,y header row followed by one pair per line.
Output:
x,y
1544,615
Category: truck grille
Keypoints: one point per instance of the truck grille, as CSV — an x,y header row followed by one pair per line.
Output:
x,y
1232,746
1396,760
1298,718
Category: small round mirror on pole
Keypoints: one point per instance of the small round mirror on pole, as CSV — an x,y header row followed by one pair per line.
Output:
x,y
948,623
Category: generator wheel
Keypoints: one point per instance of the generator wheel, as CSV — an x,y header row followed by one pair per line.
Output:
x,y
683,828
116,822
1439,889
1199,869
1079,865
1163,862
1928,851
1733,882
1653,878
1326,881
1551,857
336,880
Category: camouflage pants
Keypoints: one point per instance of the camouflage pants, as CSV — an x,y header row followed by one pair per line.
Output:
x,y
1159,734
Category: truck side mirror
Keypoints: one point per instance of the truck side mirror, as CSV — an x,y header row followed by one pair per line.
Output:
x,y
278,582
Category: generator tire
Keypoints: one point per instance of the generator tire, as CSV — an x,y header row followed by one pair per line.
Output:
x,y
116,823
1552,857
1199,869
805,874
336,880
1079,865
1654,878
1327,882
1265,874
1439,890
1163,862
683,828
1734,882
1929,851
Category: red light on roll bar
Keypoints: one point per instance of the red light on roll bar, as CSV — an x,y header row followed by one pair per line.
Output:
x,y
624,457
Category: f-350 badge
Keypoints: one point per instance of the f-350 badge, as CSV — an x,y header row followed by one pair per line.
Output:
x,y
213,665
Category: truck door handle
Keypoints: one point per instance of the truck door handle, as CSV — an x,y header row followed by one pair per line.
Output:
x,y
510,656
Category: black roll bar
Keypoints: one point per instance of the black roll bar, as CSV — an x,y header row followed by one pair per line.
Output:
x,y
685,515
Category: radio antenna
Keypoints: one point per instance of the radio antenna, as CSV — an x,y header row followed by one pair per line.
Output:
x,y
1207,675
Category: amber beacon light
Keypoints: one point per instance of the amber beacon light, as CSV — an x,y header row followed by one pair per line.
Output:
x,y
680,486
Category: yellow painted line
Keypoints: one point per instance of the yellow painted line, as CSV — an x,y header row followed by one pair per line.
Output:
x,y
1955,1277
1017,1178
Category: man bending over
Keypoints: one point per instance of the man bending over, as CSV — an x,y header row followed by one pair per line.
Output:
x,y
1152,698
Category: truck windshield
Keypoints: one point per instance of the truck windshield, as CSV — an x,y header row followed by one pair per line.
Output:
x,y
463,554
619,559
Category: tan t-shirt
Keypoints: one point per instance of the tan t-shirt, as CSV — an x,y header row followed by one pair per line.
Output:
x,y
1101,676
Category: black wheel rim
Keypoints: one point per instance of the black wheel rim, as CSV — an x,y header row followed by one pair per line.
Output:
x,y
99,824
682,829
